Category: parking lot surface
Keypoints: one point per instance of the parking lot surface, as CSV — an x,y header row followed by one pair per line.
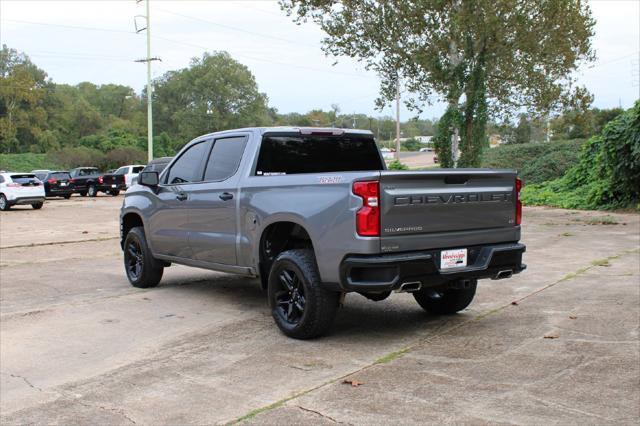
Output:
x,y
558,343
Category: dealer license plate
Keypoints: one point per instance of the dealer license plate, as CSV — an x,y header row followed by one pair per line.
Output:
x,y
450,259
63,183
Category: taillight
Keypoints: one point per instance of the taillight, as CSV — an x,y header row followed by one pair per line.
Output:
x,y
52,181
518,202
100,180
368,216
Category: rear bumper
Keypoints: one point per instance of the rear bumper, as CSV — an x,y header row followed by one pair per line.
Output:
x,y
386,272
109,187
59,192
25,200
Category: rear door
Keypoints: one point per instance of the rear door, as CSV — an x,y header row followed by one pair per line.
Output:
x,y
59,181
447,208
26,185
212,204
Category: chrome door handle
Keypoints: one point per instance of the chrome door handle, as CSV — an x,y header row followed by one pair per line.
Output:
x,y
226,196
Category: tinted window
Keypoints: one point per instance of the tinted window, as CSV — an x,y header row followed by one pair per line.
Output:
x,y
225,158
1,179
41,176
317,154
188,168
87,172
59,175
138,169
23,178
121,171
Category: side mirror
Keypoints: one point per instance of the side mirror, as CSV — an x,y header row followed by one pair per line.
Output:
x,y
149,179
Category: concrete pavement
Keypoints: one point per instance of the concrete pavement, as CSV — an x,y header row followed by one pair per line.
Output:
x,y
78,345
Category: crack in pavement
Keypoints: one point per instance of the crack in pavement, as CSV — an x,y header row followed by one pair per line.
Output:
x,y
400,352
54,243
27,381
321,415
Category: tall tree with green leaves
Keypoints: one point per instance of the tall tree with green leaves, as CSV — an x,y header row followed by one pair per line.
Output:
x,y
22,91
482,57
214,93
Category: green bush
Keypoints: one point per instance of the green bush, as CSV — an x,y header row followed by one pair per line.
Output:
x,y
535,162
607,175
411,145
397,165
79,156
26,162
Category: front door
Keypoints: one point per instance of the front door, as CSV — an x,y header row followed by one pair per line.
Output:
x,y
213,204
169,225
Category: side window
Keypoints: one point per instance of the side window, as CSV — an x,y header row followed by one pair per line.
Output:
x,y
138,169
121,171
188,168
224,158
1,179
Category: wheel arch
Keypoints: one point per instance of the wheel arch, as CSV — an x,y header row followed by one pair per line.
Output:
x,y
130,220
279,236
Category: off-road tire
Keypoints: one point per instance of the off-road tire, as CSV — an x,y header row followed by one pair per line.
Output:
x,y
445,302
37,206
320,305
92,191
83,193
151,269
4,203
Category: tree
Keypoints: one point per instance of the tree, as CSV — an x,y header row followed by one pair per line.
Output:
x,y
483,57
22,91
214,93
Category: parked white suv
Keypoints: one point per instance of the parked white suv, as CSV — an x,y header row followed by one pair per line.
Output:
x,y
20,189
129,173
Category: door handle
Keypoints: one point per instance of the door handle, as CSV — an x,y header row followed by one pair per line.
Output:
x,y
181,196
226,196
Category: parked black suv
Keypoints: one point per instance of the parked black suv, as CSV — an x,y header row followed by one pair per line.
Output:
x,y
57,184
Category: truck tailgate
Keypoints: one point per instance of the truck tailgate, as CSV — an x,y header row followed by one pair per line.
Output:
x,y
447,208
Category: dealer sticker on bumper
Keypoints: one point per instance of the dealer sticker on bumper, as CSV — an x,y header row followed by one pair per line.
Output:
x,y
450,259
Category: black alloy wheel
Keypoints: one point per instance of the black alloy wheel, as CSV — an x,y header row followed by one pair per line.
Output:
x,y
134,260
290,298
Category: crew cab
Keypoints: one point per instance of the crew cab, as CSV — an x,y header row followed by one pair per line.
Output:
x,y
315,214
20,189
90,181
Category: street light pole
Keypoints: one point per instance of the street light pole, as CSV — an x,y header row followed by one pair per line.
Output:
x,y
149,90
398,119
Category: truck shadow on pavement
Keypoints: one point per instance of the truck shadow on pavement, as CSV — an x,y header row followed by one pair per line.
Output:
x,y
397,315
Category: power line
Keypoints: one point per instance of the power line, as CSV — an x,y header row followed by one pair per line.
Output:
x,y
255,34
205,48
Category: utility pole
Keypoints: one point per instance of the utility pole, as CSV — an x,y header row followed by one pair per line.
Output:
x,y
148,60
398,119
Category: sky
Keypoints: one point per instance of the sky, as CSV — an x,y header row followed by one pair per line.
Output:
x,y
90,40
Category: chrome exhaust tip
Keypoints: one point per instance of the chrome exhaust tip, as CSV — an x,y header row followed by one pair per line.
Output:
x,y
409,287
507,273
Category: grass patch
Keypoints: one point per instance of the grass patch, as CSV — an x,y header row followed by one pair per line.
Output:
x,y
601,262
391,357
601,220
26,162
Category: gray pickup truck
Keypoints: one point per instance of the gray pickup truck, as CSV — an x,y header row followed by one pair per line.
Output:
x,y
315,214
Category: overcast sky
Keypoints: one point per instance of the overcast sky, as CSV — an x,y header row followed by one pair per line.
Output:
x,y
95,41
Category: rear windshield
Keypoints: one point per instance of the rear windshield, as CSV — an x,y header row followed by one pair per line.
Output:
x,y
23,178
60,175
284,155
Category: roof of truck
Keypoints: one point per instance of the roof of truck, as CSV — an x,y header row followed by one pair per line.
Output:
x,y
293,129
